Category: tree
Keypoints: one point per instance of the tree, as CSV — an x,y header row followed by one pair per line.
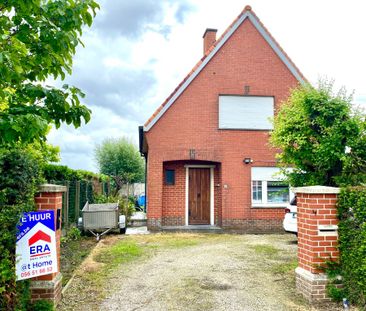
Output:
x,y
38,39
120,159
321,137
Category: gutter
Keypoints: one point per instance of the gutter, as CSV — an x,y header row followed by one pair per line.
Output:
x,y
144,154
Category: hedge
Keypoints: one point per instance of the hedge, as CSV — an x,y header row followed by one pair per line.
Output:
x,y
20,175
61,172
352,243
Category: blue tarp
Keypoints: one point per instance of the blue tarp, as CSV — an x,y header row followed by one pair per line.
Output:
x,y
141,200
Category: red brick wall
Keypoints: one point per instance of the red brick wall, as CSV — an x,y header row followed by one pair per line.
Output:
x,y
174,195
314,210
192,123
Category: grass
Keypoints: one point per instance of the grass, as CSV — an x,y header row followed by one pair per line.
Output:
x,y
192,290
284,267
264,249
123,251
108,258
170,241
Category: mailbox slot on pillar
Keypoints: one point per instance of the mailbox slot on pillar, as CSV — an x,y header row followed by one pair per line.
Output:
x,y
328,230
58,219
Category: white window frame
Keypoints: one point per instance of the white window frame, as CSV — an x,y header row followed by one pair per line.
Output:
x,y
265,202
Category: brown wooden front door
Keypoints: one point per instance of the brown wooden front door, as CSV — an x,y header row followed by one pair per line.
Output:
x,y
199,196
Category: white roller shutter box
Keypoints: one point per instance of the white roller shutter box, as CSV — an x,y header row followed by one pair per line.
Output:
x,y
246,112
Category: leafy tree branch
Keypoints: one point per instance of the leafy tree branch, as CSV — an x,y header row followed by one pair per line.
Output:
x,y
38,40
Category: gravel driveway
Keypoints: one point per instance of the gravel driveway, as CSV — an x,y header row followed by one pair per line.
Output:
x,y
214,272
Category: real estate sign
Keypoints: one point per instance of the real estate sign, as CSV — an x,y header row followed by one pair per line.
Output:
x,y
36,245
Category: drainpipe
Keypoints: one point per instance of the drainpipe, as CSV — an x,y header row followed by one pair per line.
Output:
x,y
145,207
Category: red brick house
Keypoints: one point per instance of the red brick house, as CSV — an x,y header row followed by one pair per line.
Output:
x,y
206,146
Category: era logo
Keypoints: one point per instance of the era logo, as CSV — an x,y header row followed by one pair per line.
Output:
x,y
39,250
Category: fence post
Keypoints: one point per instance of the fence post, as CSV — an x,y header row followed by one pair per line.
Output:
x,y
77,201
317,239
49,286
67,202
86,189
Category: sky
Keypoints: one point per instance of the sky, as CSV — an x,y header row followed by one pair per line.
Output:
x,y
137,52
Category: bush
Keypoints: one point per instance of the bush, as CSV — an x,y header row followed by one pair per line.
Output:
x,y
313,129
352,242
20,174
73,234
42,305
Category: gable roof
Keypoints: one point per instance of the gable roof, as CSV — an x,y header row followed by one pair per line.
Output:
x,y
211,52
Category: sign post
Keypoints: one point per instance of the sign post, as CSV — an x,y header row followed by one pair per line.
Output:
x,y
36,245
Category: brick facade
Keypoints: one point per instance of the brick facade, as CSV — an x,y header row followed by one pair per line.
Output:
x,y
173,211
253,225
317,239
245,61
49,286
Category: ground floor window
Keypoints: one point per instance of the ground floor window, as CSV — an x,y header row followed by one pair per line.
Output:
x,y
257,191
169,177
268,189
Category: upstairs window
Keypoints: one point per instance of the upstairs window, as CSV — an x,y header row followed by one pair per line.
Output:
x,y
268,189
169,177
246,112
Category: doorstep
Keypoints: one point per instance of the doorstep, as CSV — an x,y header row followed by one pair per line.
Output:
x,y
193,228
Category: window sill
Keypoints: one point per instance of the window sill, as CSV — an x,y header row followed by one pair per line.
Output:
x,y
266,206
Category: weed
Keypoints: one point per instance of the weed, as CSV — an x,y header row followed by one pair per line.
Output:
x,y
284,268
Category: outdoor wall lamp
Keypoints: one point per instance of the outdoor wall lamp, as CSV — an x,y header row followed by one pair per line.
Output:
x,y
247,160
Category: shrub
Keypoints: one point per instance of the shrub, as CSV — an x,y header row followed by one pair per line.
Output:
x,y
321,137
352,242
42,305
20,175
73,234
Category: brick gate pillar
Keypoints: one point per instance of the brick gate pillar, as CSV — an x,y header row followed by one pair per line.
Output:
x,y
317,238
49,287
